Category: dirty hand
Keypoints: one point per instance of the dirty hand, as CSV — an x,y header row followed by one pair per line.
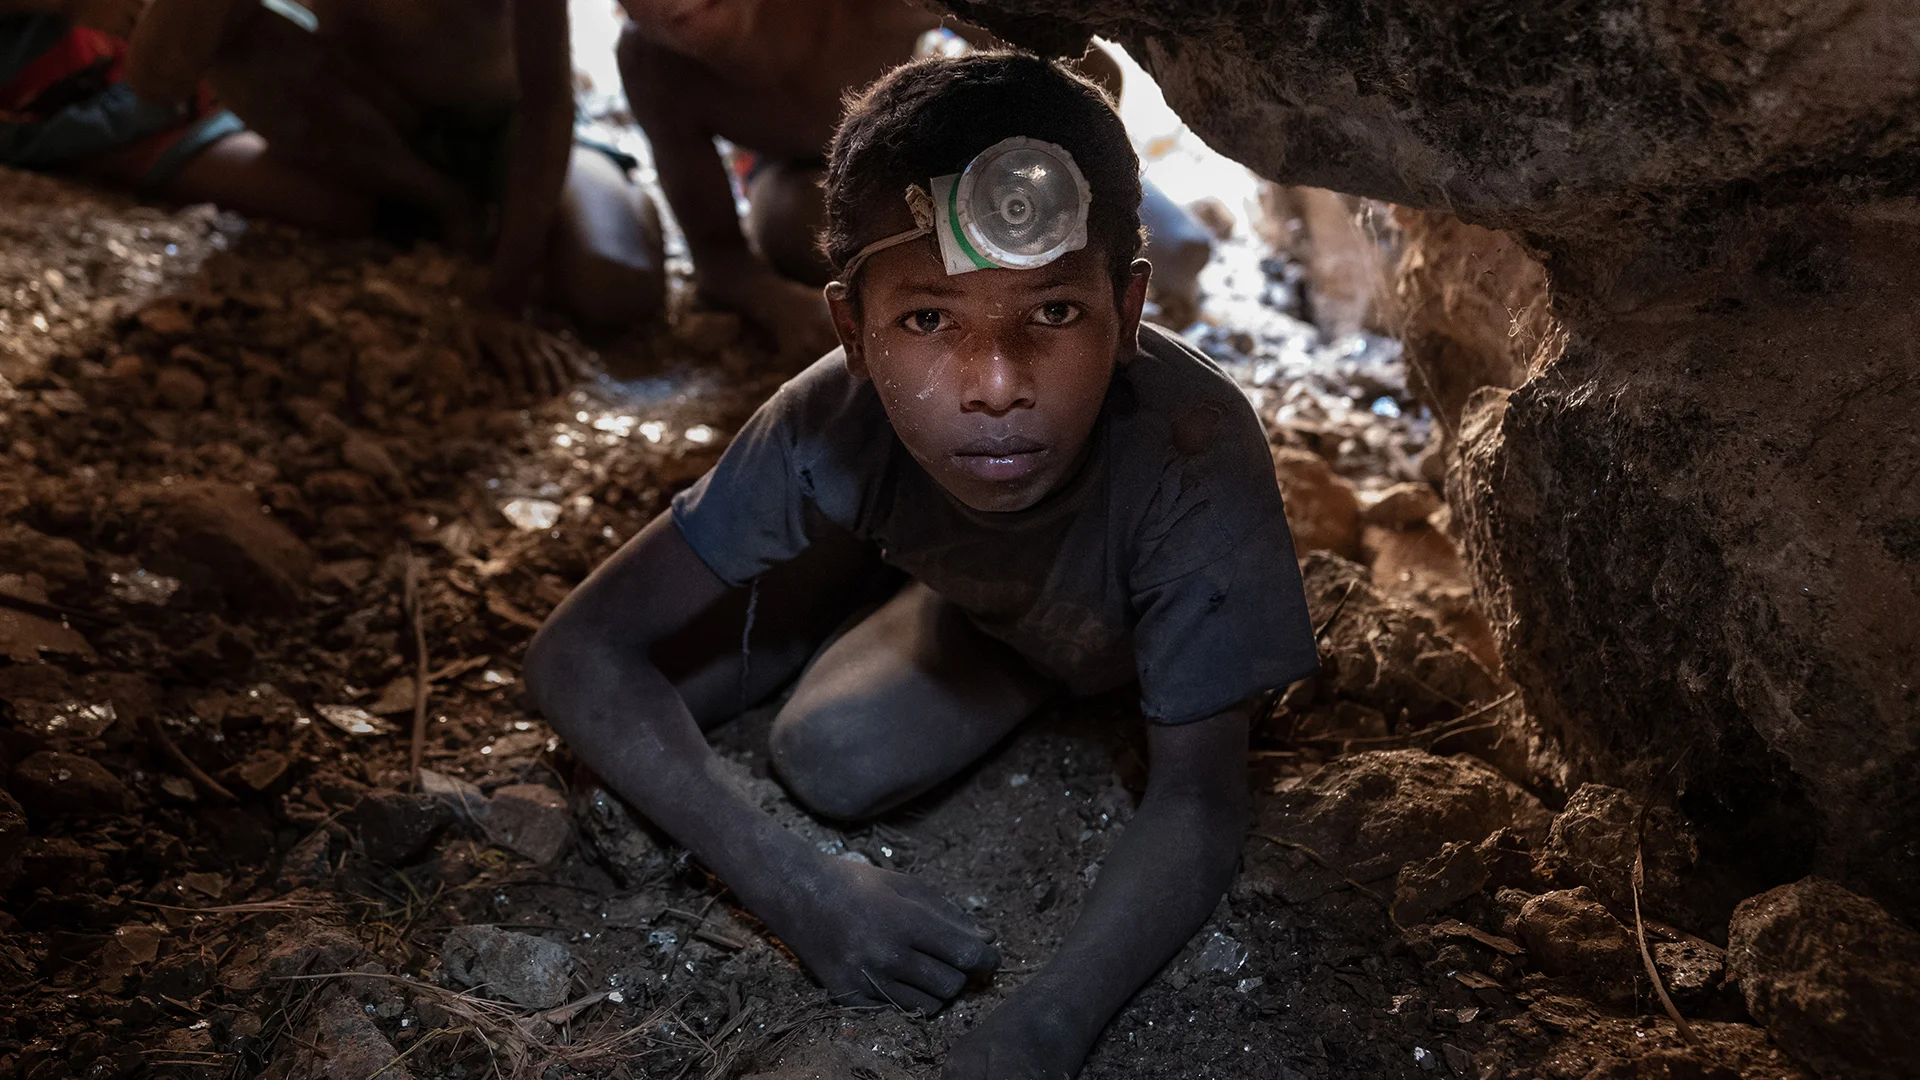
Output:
x,y
1020,1040
116,17
533,360
880,937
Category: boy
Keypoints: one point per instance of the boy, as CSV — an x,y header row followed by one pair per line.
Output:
x,y
1076,503
459,110
770,76
65,107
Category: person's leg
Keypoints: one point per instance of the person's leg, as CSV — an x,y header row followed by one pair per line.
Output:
x,y
1179,248
239,173
785,212
606,265
903,700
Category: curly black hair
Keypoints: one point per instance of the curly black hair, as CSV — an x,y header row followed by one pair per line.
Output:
x,y
931,117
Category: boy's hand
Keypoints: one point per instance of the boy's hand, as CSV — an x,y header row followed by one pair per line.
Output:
x,y
878,936
116,17
1023,1039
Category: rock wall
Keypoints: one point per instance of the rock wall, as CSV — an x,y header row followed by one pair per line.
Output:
x,y
1698,530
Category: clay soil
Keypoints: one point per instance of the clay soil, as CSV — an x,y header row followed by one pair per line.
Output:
x,y
249,474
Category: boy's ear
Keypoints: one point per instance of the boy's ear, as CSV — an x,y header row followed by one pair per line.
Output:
x,y
1132,301
847,325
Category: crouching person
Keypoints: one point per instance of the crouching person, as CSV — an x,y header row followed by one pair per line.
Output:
x,y
1000,488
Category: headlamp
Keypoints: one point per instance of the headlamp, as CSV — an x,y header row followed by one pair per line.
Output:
x,y
1019,204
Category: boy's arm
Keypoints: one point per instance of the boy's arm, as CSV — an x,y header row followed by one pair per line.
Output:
x,y
863,931
695,181
175,43
1158,885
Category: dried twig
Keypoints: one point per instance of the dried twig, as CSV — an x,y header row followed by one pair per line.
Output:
x,y
416,608
1646,956
1321,633
151,725
1640,926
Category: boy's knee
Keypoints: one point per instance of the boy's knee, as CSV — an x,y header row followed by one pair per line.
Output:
x,y
821,768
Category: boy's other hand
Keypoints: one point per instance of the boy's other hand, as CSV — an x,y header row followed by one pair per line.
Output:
x,y
1020,1040
533,360
880,937
116,17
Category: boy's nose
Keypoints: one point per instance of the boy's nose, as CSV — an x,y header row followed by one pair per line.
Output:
x,y
996,383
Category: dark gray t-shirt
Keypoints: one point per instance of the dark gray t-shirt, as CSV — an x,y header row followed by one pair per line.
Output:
x,y
1166,558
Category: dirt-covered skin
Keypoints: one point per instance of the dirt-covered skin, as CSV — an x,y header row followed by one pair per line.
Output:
x,y
151,927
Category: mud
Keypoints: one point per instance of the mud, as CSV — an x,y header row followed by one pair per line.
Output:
x,y
242,474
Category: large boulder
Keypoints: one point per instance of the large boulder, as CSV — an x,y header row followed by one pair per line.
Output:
x,y
1696,530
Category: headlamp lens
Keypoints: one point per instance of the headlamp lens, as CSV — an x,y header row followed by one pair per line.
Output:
x,y
1023,203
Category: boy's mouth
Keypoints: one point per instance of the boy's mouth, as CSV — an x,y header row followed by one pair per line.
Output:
x,y
1000,458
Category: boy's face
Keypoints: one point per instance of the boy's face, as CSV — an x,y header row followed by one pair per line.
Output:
x,y
994,379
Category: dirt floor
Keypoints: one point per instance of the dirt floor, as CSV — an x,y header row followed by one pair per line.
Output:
x,y
254,484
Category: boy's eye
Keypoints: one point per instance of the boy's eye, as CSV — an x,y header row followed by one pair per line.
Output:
x,y
925,321
1056,313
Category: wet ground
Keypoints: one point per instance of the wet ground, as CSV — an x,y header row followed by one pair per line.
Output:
x,y
256,485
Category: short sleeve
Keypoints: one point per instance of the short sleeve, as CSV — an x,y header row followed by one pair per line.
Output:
x,y
747,513
1221,612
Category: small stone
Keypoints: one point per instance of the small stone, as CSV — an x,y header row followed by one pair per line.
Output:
x,y
305,948
339,1040
610,831
1459,1062
530,819
179,388
332,486
1222,953
1592,843
521,968
56,559
53,782
1372,812
308,863
1323,513
167,316
367,454
263,770
221,532
462,795
1423,889
1833,977
1402,506
1570,933
1691,971
398,827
